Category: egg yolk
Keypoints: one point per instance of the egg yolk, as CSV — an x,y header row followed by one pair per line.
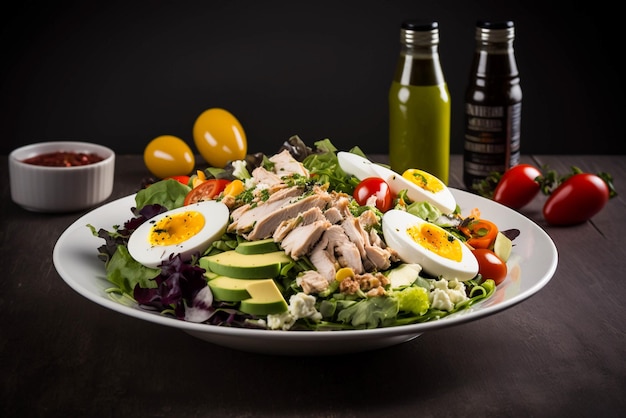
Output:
x,y
423,180
437,240
177,228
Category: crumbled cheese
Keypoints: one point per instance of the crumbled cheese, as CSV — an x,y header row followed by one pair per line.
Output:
x,y
262,186
301,305
239,169
446,294
250,183
282,321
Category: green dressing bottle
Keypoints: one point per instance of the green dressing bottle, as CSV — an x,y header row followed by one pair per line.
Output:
x,y
419,104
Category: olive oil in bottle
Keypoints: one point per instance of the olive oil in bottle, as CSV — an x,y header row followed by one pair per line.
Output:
x,y
419,104
493,104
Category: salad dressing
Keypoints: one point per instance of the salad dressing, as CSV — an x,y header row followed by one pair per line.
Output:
x,y
419,104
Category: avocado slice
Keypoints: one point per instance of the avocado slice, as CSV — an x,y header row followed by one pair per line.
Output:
x,y
245,266
229,289
265,298
404,275
257,247
257,297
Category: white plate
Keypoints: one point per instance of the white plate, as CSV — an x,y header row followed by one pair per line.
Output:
x,y
531,266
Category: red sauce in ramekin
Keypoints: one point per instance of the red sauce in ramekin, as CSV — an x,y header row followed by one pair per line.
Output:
x,y
63,159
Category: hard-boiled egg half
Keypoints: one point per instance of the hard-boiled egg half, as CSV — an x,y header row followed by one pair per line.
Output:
x,y
355,165
424,243
185,230
420,185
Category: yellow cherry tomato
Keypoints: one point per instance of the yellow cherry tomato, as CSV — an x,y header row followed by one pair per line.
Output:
x,y
198,179
234,188
167,156
344,273
219,137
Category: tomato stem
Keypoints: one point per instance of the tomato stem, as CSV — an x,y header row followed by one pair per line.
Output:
x,y
486,187
608,179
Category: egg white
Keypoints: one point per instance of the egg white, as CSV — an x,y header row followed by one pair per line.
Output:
x,y
442,200
353,164
216,219
362,168
395,225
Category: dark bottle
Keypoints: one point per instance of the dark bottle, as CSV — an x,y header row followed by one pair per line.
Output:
x,y
493,104
419,104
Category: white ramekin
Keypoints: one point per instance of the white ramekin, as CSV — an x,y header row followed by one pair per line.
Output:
x,y
60,189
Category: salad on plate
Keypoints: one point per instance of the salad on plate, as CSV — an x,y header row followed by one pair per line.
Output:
x,y
310,238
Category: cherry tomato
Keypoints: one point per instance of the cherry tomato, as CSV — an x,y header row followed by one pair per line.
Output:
x,y
576,200
168,155
181,179
207,190
481,233
219,137
374,186
518,186
490,266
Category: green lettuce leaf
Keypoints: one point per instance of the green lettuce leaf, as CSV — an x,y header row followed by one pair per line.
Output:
x,y
168,193
372,312
124,272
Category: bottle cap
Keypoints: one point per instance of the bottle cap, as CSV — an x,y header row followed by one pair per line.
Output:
x,y
419,32
502,24
419,25
499,31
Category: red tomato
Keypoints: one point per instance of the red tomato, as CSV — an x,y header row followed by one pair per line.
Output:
x,y
490,266
182,179
374,186
518,186
206,190
576,200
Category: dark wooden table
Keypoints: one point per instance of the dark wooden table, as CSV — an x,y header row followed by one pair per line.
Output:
x,y
560,353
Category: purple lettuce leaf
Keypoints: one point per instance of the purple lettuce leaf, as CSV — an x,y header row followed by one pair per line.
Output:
x,y
178,284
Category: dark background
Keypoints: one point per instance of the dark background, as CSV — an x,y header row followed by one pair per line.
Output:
x,y
122,73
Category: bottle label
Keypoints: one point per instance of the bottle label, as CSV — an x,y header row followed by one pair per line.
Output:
x,y
492,139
